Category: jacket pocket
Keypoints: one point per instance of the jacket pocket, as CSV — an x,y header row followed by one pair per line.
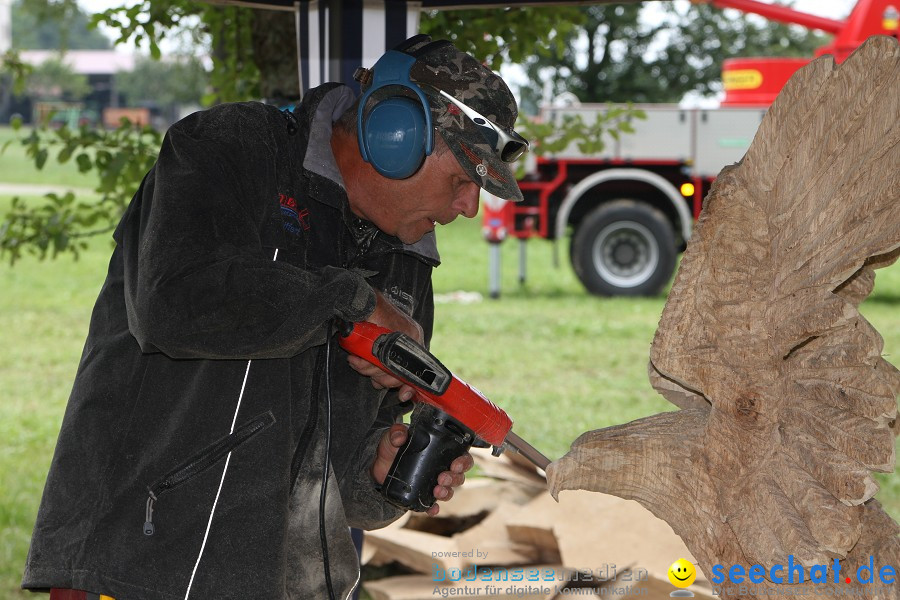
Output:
x,y
202,461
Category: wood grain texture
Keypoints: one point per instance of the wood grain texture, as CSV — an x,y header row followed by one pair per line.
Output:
x,y
787,405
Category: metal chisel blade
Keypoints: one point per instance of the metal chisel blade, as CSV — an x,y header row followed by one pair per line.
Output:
x,y
527,450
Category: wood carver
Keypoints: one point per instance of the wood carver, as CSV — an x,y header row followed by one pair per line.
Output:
x,y
787,405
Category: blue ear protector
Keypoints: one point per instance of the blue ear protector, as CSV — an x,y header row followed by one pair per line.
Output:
x,y
396,135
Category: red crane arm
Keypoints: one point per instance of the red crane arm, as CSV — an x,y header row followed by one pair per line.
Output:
x,y
782,14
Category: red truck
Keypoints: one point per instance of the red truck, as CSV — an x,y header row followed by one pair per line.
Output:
x,y
630,210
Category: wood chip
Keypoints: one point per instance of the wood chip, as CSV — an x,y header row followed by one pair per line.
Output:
x,y
508,469
421,552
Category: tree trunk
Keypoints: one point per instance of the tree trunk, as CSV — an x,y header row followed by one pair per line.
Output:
x,y
786,402
275,54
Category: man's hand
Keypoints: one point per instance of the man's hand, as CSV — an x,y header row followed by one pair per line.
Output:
x,y
388,316
392,440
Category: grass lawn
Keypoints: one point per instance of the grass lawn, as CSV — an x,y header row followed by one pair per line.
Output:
x,y
559,361
16,167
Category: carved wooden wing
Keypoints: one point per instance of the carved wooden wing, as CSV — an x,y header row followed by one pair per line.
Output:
x,y
787,403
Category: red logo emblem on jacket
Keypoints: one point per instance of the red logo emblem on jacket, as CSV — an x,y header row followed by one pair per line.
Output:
x,y
295,217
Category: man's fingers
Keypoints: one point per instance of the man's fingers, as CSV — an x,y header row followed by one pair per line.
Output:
x,y
392,439
384,381
379,378
443,493
463,463
449,479
362,366
398,434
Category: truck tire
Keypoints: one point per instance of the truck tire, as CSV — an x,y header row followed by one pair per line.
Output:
x,y
624,248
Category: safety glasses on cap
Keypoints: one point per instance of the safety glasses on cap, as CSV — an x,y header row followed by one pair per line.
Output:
x,y
506,143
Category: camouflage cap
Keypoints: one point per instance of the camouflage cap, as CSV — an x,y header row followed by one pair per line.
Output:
x,y
441,66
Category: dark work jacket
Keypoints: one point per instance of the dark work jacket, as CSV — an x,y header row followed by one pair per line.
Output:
x,y
201,388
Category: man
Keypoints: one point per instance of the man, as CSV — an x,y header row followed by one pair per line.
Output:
x,y
213,447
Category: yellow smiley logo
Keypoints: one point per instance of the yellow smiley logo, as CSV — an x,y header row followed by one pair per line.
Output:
x,y
682,573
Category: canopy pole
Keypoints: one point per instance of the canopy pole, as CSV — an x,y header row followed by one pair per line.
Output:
x,y
299,53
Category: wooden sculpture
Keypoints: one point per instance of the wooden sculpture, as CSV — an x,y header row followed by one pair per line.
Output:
x,y
786,402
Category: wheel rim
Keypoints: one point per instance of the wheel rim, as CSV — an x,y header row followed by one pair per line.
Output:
x,y
625,254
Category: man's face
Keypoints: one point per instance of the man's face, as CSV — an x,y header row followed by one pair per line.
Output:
x,y
438,192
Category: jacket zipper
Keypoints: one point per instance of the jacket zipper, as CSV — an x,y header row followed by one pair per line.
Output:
x,y
202,461
312,419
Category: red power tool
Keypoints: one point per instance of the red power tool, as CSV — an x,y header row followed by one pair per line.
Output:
x,y
449,417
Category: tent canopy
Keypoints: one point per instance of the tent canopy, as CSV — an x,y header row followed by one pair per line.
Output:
x,y
334,37
423,4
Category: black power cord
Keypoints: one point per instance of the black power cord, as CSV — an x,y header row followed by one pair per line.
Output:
x,y
324,487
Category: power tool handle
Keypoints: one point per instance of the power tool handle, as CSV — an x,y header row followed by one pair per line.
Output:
x,y
435,439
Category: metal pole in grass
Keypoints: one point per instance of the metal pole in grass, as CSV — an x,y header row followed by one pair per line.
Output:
x,y
523,259
494,281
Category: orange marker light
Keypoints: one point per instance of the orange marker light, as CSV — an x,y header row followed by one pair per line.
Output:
x,y
890,20
687,190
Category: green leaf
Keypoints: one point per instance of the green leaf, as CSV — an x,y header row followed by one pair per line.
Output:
x,y
40,158
102,159
84,162
32,138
